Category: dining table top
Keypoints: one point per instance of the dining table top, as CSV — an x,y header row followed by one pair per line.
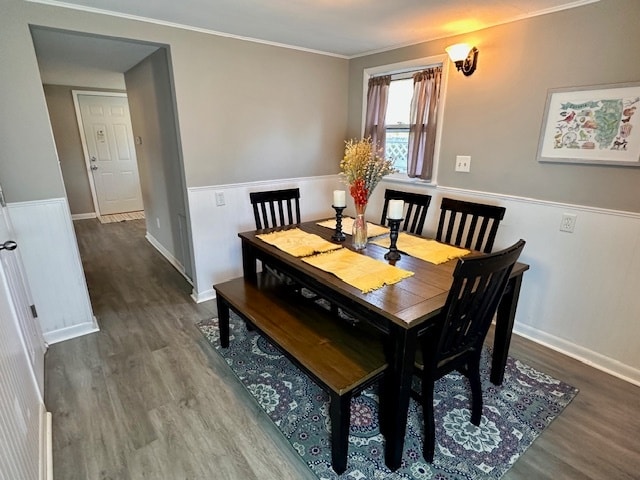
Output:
x,y
407,303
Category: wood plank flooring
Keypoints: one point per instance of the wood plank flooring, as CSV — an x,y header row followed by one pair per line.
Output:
x,y
146,397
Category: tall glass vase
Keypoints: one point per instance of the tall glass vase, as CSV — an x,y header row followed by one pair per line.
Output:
x,y
359,233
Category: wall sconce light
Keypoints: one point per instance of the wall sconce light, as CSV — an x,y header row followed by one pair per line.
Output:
x,y
464,56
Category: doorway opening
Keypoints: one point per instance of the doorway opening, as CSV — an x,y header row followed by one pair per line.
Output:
x,y
125,71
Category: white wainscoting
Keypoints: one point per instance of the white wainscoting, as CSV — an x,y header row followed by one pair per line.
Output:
x,y
23,437
579,297
49,249
215,229
581,294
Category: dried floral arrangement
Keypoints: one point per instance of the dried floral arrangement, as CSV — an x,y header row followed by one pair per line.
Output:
x,y
363,166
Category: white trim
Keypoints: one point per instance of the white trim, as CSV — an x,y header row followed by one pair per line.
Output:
x,y
261,183
568,6
203,296
49,474
577,3
583,208
168,256
181,26
586,356
515,198
45,460
401,67
74,331
83,216
83,138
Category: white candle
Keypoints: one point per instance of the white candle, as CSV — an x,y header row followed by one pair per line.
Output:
x,y
395,210
339,198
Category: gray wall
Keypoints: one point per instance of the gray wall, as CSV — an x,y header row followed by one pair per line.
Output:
x,y
247,111
28,162
159,162
495,115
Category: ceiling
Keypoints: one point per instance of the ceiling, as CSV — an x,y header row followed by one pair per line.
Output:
x,y
345,28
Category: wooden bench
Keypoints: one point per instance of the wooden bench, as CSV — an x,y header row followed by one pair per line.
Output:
x,y
341,358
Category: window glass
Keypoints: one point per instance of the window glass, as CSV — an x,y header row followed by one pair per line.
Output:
x,y
397,122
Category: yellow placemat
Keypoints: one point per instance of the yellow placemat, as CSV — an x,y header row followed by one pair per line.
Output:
x,y
423,248
373,230
298,243
360,271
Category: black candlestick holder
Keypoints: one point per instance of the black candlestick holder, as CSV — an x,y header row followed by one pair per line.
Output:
x,y
393,254
338,235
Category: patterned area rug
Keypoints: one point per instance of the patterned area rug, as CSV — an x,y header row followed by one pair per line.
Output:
x,y
121,217
513,416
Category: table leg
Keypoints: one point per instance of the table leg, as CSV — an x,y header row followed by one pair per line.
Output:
x,y
504,325
393,417
249,260
223,321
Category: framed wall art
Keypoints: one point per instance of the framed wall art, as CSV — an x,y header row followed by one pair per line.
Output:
x,y
596,124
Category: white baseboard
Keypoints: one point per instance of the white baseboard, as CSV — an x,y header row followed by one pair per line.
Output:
x,y
168,255
83,216
74,331
203,296
45,462
49,475
586,356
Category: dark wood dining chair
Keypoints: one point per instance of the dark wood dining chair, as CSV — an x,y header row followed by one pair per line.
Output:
x,y
478,284
416,206
469,225
276,208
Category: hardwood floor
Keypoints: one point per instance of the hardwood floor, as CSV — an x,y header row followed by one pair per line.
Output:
x,y
147,397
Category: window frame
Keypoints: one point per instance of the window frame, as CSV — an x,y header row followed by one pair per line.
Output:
x,y
408,67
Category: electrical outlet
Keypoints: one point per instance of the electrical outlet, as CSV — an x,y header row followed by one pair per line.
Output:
x,y
568,222
219,199
463,163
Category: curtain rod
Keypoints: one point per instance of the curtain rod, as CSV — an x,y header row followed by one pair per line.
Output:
x,y
409,72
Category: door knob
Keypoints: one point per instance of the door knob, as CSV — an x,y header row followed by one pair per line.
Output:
x,y
94,167
93,159
8,245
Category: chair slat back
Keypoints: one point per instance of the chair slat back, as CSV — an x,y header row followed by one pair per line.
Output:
x,y
478,284
275,208
469,225
416,206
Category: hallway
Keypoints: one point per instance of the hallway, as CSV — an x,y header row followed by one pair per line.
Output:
x,y
146,396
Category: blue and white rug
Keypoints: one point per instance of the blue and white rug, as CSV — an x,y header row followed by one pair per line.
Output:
x,y
514,415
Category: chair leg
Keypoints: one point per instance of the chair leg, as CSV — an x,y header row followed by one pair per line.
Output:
x,y
476,391
340,414
429,445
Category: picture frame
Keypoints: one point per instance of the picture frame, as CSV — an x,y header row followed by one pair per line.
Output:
x,y
598,124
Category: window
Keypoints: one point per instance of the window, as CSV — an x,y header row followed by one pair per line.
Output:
x,y
397,121
399,106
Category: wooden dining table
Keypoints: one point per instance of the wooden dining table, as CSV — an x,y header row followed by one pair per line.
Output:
x,y
403,311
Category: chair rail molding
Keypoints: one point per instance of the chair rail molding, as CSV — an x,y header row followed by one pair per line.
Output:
x,y
565,304
216,246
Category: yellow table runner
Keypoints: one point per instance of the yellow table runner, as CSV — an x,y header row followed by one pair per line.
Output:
x,y
298,243
360,271
428,250
373,230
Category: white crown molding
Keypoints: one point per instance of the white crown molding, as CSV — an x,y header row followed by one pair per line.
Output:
x,y
127,16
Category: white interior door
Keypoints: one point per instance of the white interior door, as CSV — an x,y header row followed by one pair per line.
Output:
x,y
14,278
22,454
109,145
